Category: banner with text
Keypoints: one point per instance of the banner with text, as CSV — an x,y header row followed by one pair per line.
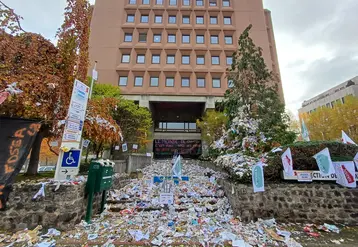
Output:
x,y
16,139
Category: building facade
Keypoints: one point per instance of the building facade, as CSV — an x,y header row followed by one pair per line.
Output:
x,y
331,97
171,56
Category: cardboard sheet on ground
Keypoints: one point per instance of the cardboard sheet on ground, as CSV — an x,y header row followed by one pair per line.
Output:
x,y
324,162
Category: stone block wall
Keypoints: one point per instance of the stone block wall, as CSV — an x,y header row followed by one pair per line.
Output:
x,y
294,202
61,209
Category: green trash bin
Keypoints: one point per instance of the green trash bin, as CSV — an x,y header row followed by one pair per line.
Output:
x,y
99,180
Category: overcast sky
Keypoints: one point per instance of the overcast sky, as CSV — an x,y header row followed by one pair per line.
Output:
x,y
317,40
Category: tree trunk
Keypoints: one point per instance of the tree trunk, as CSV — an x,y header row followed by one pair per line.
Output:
x,y
35,154
87,151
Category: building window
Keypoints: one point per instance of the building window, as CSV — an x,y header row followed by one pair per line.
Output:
x,y
186,38
170,59
156,59
199,2
145,1
200,20
185,82
173,2
185,59
158,19
141,59
132,1
186,20
144,19
200,60
154,81
128,37
171,38
228,60
230,83
213,20
227,20
214,39
228,40
169,82
159,2
226,3
216,83
157,38
123,81
212,3
138,81
172,19
143,37
200,82
186,2
200,39
215,60
130,18
126,58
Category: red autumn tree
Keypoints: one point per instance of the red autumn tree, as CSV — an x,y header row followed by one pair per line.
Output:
x,y
45,73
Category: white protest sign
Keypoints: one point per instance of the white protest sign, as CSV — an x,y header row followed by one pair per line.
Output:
x,y
287,162
258,178
324,162
86,143
124,147
356,160
345,172
166,198
346,139
135,146
117,147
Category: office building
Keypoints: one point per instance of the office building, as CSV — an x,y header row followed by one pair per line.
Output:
x,y
331,97
171,56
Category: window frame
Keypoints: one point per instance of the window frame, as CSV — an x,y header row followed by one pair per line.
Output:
x,y
132,2
183,1
138,56
146,3
197,39
213,60
197,82
125,55
230,37
216,20
185,17
226,1
128,35
169,78
170,56
154,56
141,18
119,81
227,18
170,3
161,2
172,35
201,57
228,57
216,79
211,39
172,16
200,17
130,15
213,1
202,1
150,82
185,78
185,57
157,35
141,35
155,19
135,81
182,38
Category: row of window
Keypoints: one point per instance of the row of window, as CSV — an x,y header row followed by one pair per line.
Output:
x,y
172,19
185,59
212,3
157,38
169,82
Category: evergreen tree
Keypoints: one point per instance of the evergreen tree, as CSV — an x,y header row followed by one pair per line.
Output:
x,y
254,93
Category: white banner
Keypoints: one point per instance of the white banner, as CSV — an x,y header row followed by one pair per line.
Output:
x,y
305,134
324,162
356,160
345,172
258,178
346,139
287,162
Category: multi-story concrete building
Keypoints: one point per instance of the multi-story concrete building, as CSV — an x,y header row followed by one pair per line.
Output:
x,y
171,56
332,96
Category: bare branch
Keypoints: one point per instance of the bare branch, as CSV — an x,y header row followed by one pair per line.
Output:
x,y
17,17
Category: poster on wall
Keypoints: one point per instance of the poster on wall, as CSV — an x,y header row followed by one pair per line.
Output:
x,y
124,147
16,137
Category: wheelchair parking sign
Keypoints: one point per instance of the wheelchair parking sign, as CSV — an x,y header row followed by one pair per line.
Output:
x,y
71,159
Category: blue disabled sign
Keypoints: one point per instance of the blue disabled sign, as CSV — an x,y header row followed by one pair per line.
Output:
x,y
71,159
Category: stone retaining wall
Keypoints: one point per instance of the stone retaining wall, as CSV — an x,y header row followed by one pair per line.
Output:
x,y
294,202
61,209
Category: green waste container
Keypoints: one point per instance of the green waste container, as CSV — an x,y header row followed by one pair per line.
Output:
x,y
99,180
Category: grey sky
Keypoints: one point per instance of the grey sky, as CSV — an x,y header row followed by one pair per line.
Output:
x,y
317,40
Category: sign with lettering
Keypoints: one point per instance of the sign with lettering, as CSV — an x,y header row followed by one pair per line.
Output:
x,y
166,148
316,176
16,137
166,198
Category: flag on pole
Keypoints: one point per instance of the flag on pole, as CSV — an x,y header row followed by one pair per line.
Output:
x,y
345,173
258,177
346,139
324,162
177,167
287,162
304,130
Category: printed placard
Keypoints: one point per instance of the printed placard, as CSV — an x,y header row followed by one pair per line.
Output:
x,y
166,198
258,178
304,176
